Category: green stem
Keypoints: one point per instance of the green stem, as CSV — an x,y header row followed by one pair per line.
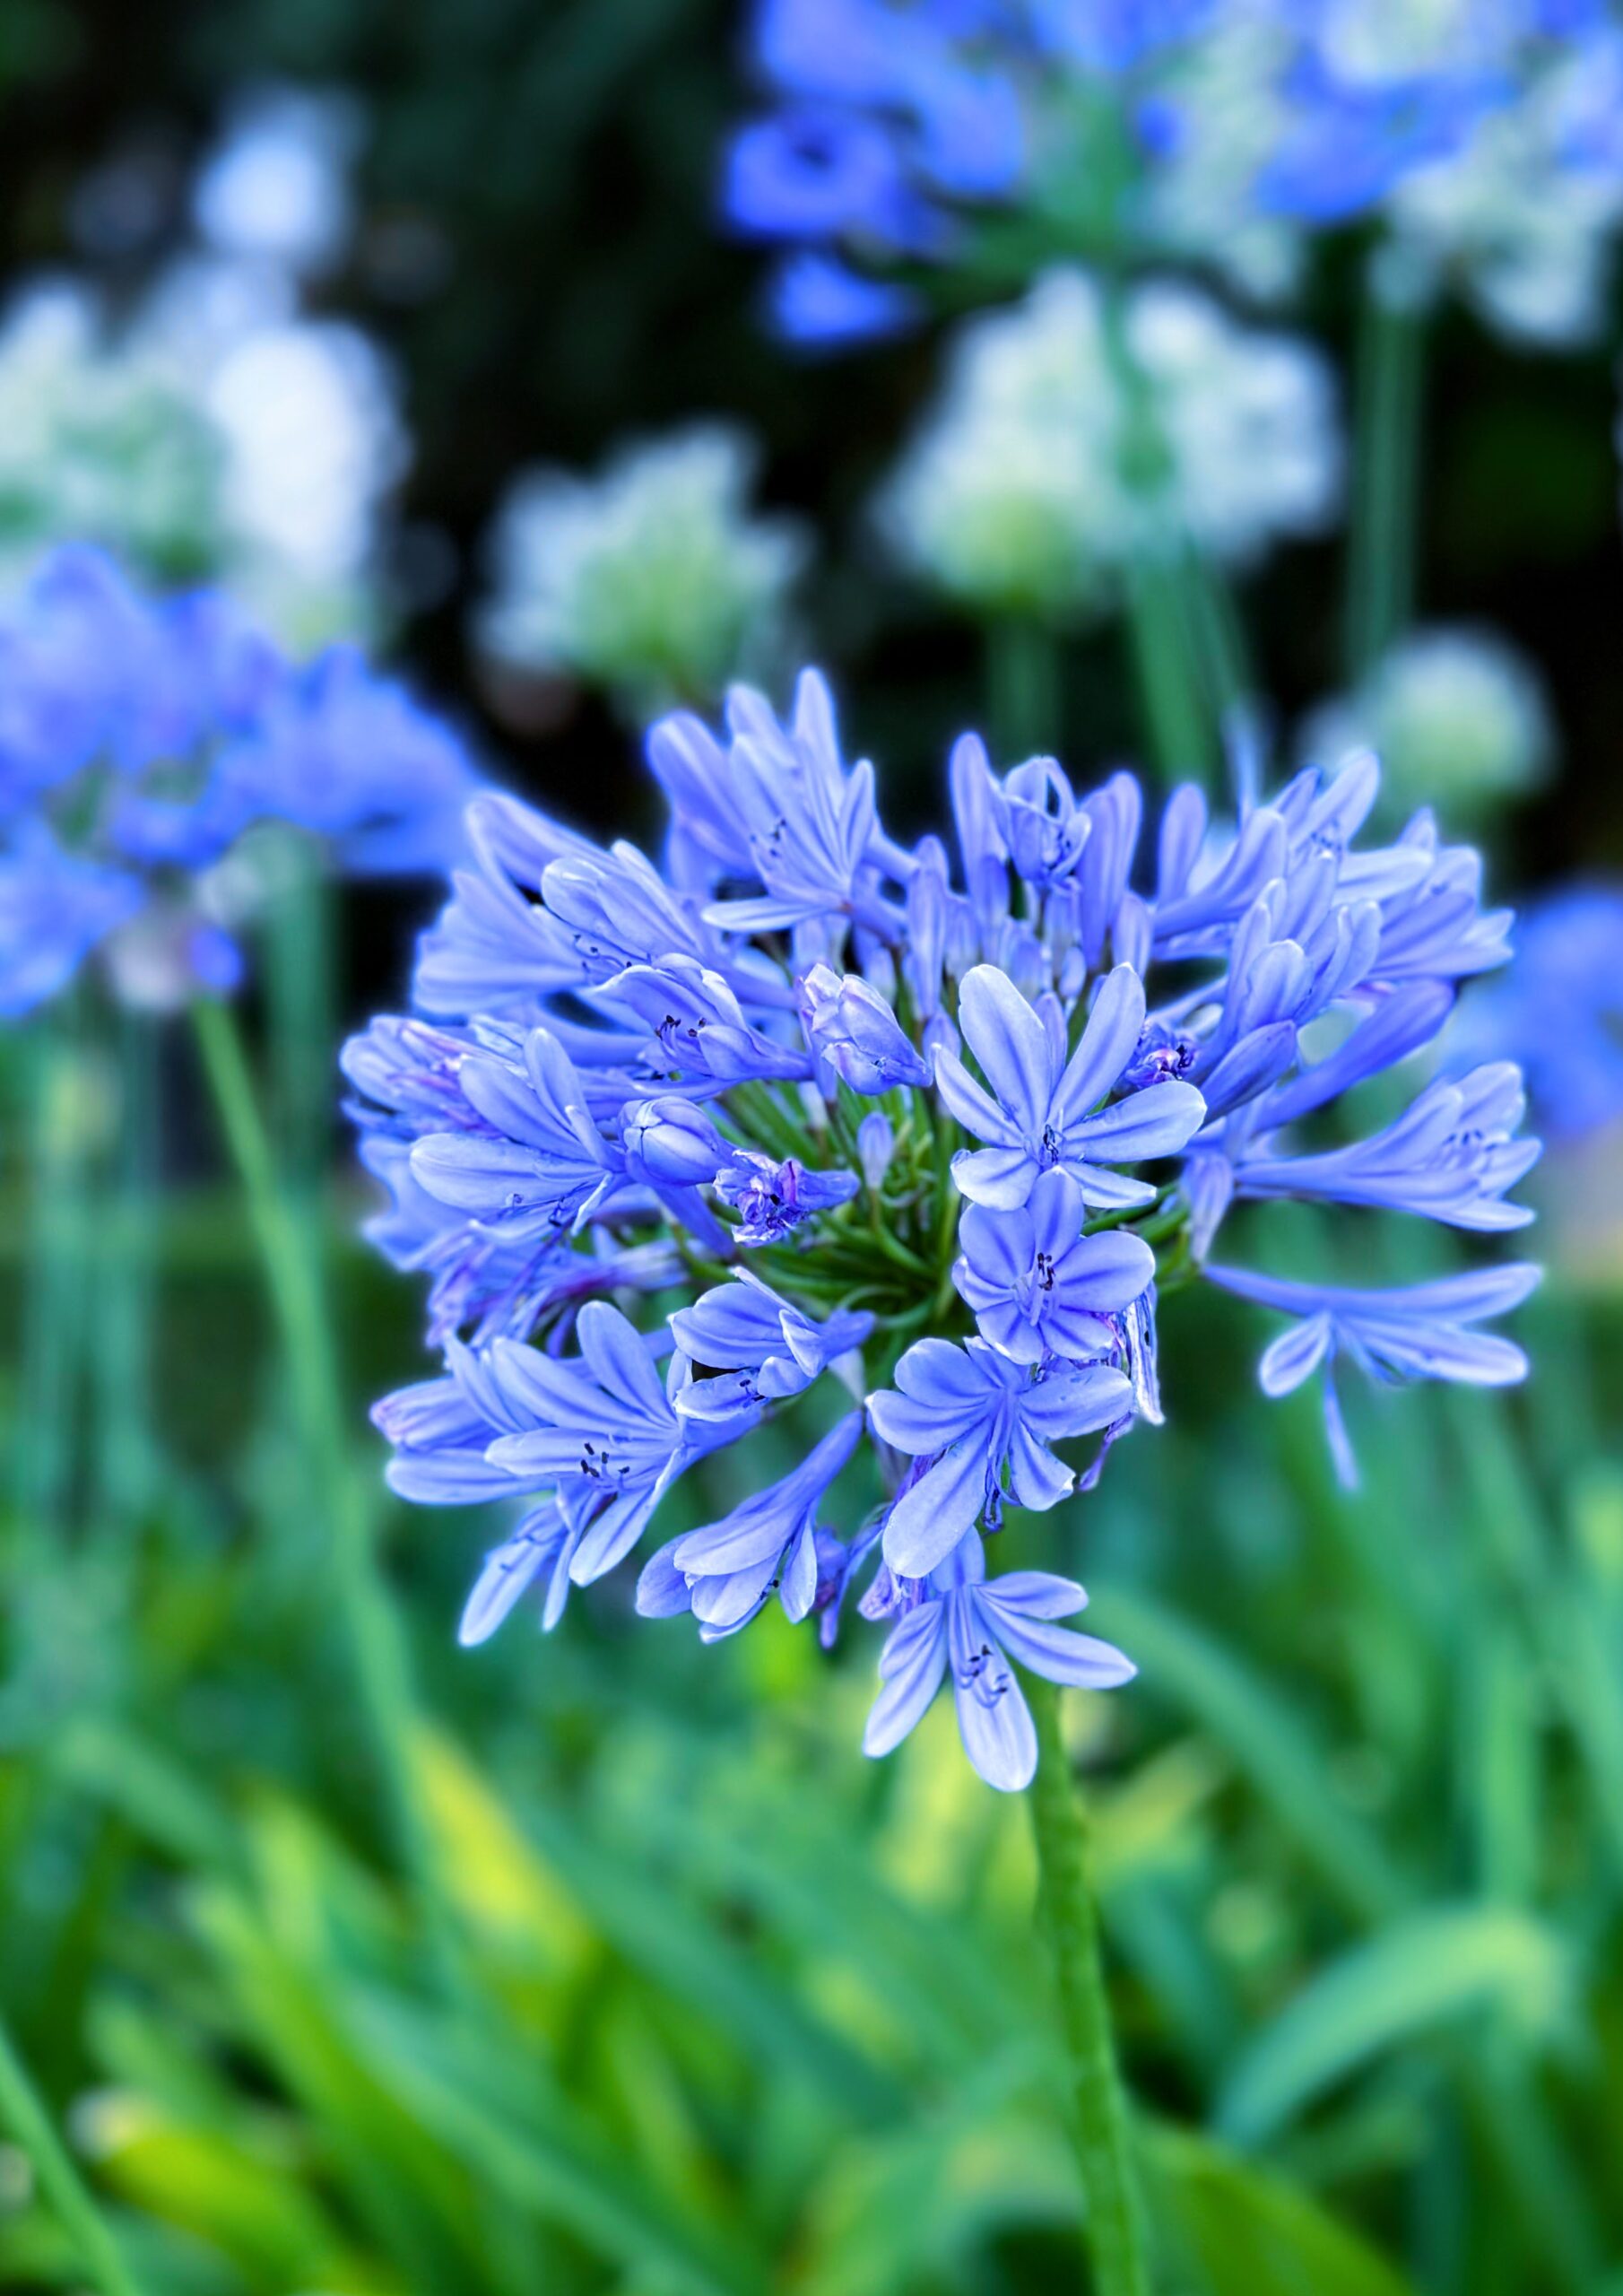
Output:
x,y
289,1253
1023,686
1383,542
1177,725
23,2112
123,1334
298,978
1099,2108
55,1327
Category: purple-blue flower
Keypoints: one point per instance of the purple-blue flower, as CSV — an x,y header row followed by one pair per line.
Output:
x,y
141,737
1036,1284
1047,1110
1415,1331
726,1571
981,1426
960,1620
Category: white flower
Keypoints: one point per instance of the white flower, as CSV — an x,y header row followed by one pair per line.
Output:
x,y
1455,715
653,580
275,188
1022,493
1518,218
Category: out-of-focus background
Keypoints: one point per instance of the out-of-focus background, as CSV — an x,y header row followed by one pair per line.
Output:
x,y
418,325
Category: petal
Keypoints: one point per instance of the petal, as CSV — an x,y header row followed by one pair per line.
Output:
x,y
509,1571
619,1361
993,1719
1294,1356
1037,1479
1000,1177
911,1668
1106,1046
1000,1246
1035,1593
928,1520
1059,1654
1156,1122
1106,1272
1011,1043
970,1103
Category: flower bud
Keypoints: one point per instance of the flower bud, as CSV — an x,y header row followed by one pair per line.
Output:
x,y
849,1025
670,1143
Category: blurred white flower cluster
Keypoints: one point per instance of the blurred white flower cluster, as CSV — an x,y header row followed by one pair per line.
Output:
x,y
216,428
1457,716
654,581
1070,440
1522,219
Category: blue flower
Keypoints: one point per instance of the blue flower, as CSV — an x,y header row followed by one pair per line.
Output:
x,y
764,1349
357,760
1416,1331
141,737
1451,1157
536,1159
605,1420
849,1025
820,304
1048,1109
54,909
773,1197
962,1619
1037,1285
974,1418
726,1572
1560,1013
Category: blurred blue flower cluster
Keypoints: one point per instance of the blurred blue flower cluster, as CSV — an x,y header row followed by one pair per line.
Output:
x,y
975,141
915,1133
141,737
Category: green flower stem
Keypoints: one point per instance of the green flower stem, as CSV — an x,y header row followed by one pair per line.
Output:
x,y
1177,723
1024,699
123,1336
1098,2109
290,1252
54,1330
23,2112
300,974
1383,542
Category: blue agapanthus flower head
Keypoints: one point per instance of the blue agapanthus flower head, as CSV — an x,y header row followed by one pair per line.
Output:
x,y
140,738
903,140
1558,1014
901,1146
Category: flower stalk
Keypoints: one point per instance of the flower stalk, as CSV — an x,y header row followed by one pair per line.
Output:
x,y
289,1255
1101,2128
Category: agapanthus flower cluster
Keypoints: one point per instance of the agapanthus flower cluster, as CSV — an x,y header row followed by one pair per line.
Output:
x,y
1069,443
936,146
142,739
657,581
901,1145
1454,713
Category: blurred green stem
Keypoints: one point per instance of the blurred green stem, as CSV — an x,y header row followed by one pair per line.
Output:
x,y
288,1233
299,983
124,1291
23,2111
1099,2108
54,1329
1177,723
1023,686
1387,447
